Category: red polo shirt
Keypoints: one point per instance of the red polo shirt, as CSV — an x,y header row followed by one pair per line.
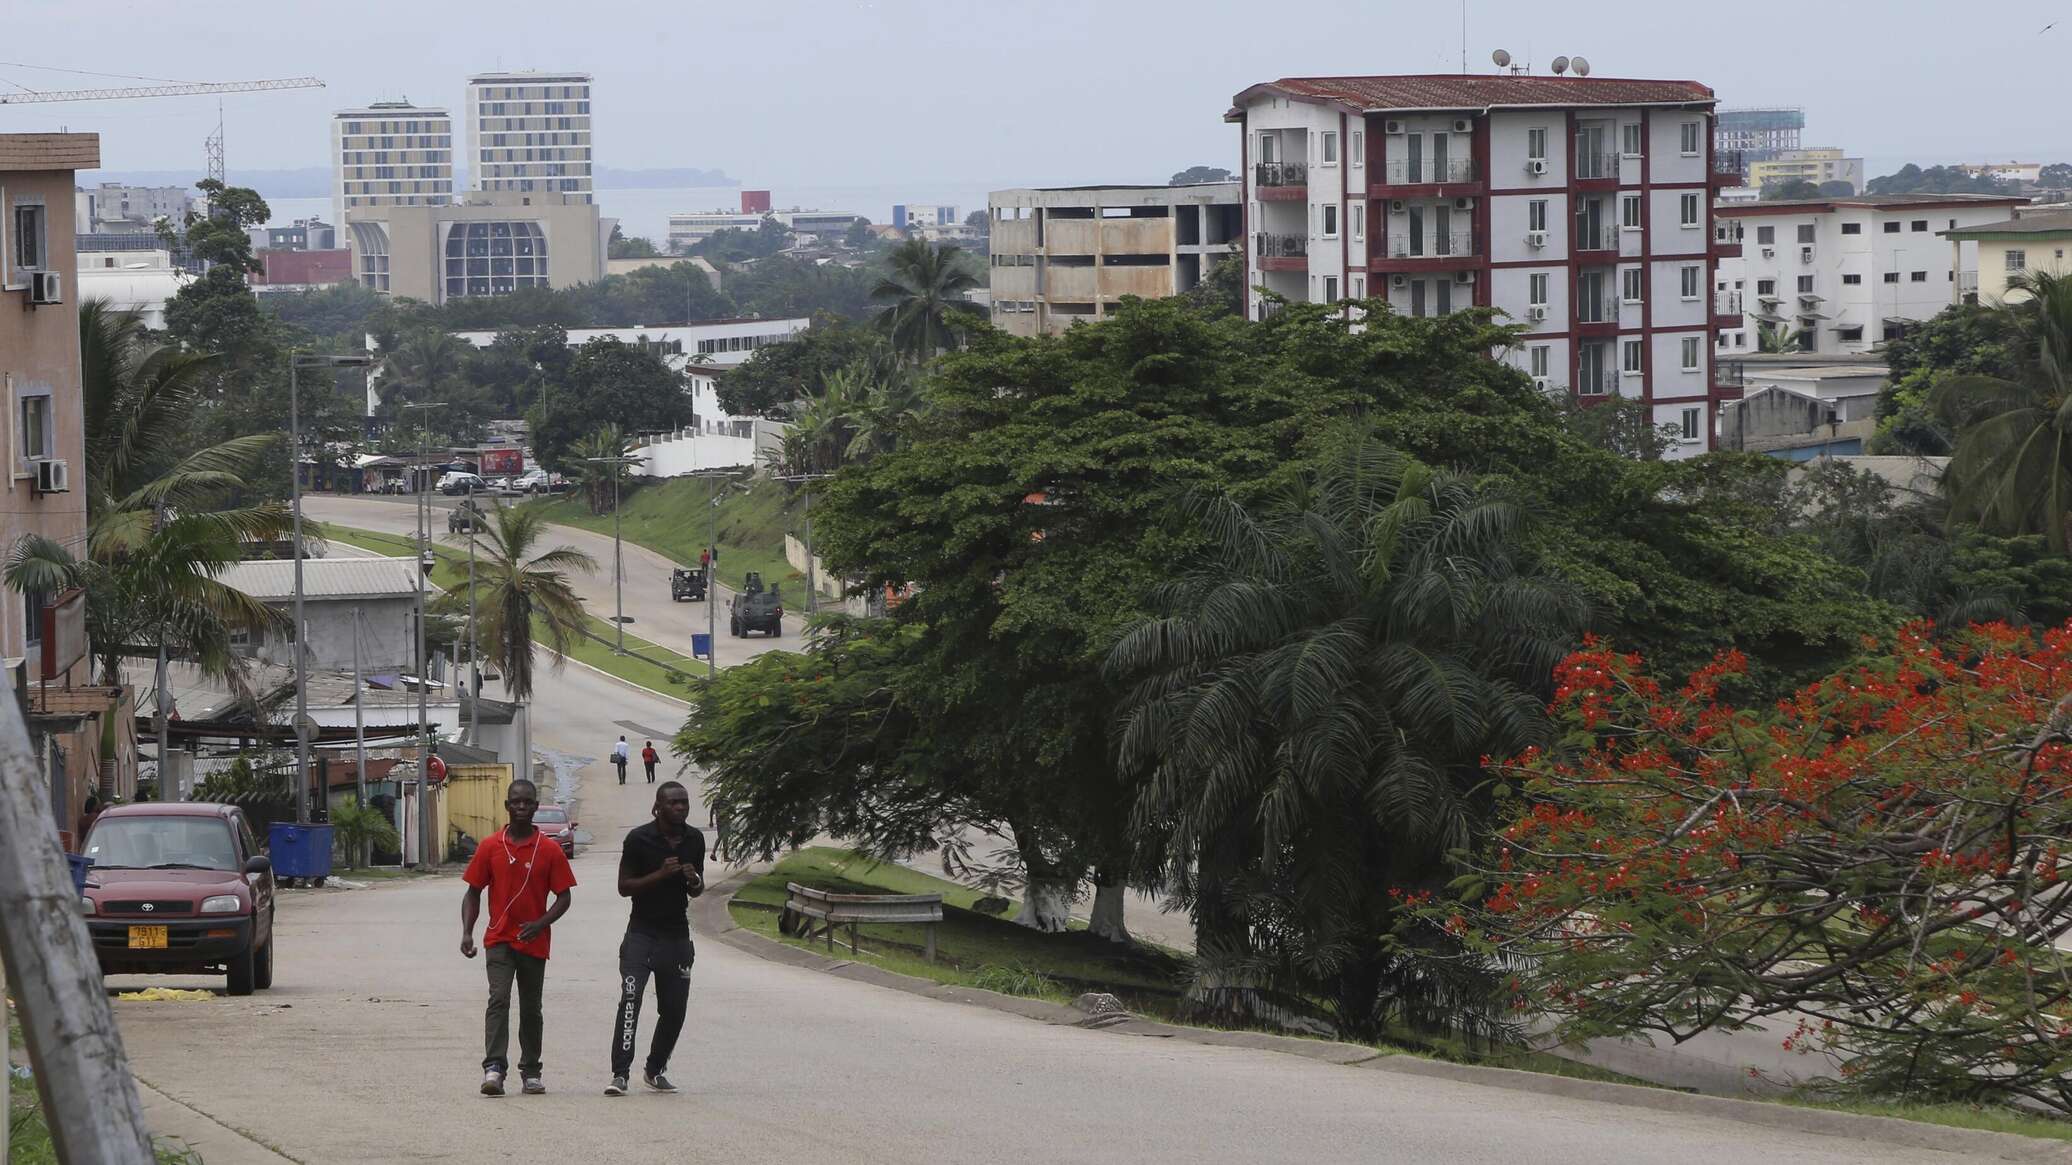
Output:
x,y
518,876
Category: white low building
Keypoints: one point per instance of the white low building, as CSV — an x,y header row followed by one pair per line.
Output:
x,y
133,281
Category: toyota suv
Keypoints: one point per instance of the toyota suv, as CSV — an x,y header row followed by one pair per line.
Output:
x,y
180,888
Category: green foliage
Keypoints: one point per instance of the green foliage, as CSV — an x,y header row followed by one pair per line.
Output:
x,y
359,827
782,287
1197,174
520,592
1016,979
1221,292
798,368
338,316
2011,465
733,246
1912,179
608,382
925,309
621,247
216,235
1621,425
1789,188
1963,339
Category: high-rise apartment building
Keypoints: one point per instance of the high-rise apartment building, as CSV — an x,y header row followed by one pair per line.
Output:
x,y
1580,207
529,133
391,153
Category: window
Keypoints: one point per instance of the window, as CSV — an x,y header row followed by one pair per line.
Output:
x,y
30,251
1688,276
1920,224
2017,259
1850,335
1917,277
1266,147
1806,232
1330,210
1356,215
1891,228
33,603
1359,145
1892,277
1805,285
1537,284
1359,287
1443,297
1688,210
1852,228
1330,148
1538,356
1690,139
1692,418
1693,353
1852,280
1536,215
1330,289
1766,236
1629,357
1632,279
1629,139
1766,287
1629,211
1536,144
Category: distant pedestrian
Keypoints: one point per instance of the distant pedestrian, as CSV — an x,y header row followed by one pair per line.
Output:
x,y
619,757
705,560
661,868
650,758
519,872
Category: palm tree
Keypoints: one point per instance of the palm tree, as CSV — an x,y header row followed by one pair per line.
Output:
x,y
1778,337
521,591
1309,711
880,426
923,292
586,464
2010,471
421,366
159,530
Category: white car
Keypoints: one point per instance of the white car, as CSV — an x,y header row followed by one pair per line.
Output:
x,y
532,481
459,482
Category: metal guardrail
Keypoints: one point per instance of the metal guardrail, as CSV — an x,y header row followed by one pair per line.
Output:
x,y
1730,374
1458,245
1594,166
1726,303
1406,172
810,913
1604,238
1280,174
1268,245
1604,383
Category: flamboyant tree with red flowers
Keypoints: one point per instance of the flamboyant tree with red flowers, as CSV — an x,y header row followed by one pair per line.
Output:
x,y
1876,866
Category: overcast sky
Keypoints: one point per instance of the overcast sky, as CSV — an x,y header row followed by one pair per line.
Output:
x,y
899,92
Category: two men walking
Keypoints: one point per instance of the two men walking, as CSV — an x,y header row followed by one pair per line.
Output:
x,y
661,868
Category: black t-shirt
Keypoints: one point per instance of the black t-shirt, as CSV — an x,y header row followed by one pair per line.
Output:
x,y
662,909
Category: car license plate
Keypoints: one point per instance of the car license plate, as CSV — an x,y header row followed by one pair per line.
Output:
x,y
147,938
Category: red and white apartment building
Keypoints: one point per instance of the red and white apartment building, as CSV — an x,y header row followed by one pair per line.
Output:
x,y
1581,207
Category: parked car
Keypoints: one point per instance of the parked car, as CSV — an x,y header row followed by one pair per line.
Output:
x,y
533,481
552,821
460,482
762,611
396,485
180,888
503,485
466,518
686,585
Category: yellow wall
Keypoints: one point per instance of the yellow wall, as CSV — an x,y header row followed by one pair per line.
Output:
x,y
475,799
2040,252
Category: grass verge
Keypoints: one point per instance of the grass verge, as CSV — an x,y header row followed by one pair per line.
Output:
x,y
669,518
992,954
28,1136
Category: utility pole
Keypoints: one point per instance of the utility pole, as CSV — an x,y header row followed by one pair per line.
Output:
x,y
812,579
297,361
424,722
715,476
359,726
618,463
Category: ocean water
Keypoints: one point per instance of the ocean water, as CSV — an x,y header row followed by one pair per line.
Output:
x,y
645,213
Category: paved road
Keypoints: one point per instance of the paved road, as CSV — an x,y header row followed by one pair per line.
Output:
x,y
367,1051
656,617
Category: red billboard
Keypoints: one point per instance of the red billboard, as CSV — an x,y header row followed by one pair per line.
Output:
x,y
500,462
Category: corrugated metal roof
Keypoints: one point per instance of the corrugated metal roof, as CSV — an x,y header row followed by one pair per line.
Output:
x,y
324,578
2029,224
1452,91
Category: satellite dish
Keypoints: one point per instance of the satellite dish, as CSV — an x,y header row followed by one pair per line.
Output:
x,y
1560,65
1502,57
1581,66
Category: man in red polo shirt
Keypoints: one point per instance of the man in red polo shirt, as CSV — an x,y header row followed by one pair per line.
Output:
x,y
518,867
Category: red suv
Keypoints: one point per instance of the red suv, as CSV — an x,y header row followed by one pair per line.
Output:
x,y
180,889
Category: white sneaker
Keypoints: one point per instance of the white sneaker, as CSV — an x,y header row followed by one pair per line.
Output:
x,y
617,1087
492,1083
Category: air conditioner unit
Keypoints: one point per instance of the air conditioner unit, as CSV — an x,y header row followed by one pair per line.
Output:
x,y
46,287
53,476
1399,281
1462,125
1464,277
1463,204
1536,166
1537,311
1541,383
1769,252
1397,206
1805,254
1535,238
1392,127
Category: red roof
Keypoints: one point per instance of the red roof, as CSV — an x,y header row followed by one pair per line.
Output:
x,y
1454,91
302,268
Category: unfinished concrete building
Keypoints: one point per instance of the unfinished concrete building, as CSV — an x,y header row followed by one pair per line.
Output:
x,y
1070,254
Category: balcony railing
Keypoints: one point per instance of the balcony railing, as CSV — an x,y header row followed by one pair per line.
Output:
x,y
1602,238
1730,374
1726,303
1450,246
1604,310
1592,165
1281,174
1273,246
1729,162
1967,282
1727,233
1418,171
1597,381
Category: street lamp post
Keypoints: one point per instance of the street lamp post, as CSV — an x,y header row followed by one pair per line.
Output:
x,y
618,462
715,476
812,579
296,363
424,722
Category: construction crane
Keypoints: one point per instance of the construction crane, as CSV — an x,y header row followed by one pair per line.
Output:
x,y
200,87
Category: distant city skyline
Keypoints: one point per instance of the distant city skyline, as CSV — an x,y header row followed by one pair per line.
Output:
x,y
889,92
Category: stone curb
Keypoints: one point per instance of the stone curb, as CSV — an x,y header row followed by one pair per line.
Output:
x,y
571,661
710,912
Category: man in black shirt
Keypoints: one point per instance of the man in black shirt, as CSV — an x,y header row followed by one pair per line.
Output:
x,y
661,869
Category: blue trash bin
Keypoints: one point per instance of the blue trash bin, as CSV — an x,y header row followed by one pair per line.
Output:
x,y
299,851
80,864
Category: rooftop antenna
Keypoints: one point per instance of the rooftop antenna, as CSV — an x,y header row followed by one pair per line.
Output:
x,y
1559,66
1581,66
213,147
1502,57
1464,37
